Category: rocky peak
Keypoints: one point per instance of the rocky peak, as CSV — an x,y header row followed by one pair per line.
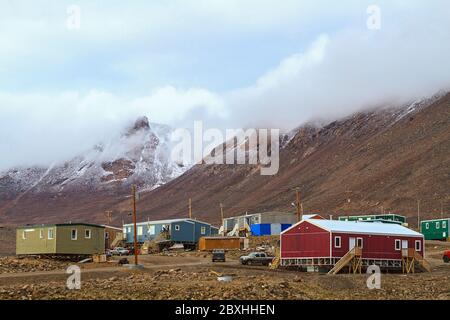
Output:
x,y
142,123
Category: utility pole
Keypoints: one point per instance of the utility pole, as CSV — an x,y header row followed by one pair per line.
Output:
x,y
108,215
190,208
133,188
418,214
223,221
298,205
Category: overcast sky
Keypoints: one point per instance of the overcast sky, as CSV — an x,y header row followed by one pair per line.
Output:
x,y
231,63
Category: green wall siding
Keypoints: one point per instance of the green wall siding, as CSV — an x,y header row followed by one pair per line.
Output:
x,y
82,245
62,242
34,244
435,229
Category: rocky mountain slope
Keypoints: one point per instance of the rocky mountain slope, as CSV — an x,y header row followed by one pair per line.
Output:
x,y
102,175
371,162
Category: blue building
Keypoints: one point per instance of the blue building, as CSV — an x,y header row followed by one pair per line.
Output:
x,y
185,231
259,224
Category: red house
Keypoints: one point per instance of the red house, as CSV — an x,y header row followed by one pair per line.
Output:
x,y
325,242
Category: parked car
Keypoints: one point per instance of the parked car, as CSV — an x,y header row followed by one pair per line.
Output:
x,y
120,251
218,255
260,258
446,256
108,253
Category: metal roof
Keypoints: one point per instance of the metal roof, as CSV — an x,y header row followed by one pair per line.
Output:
x,y
433,220
61,225
167,221
362,227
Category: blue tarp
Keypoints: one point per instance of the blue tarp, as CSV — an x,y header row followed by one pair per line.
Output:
x,y
260,229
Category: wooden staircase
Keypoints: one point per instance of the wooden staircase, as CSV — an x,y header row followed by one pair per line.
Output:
x,y
276,261
353,257
409,259
117,240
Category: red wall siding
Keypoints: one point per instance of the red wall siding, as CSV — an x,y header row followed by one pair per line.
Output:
x,y
305,241
374,246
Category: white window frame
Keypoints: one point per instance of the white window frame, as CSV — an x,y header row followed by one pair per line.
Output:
x,y
71,234
438,225
362,242
41,233
140,230
50,234
177,227
420,245
340,242
427,225
203,230
444,224
24,235
152,230
399,247
90,233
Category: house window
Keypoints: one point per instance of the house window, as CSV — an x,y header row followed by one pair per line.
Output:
x,y
24,235
87,233
398,244
418,245
41,234
427,226
140,231
124,230
50,234
337,242
359,242
152,230
177,227
74,234
437,225
203,230
444,224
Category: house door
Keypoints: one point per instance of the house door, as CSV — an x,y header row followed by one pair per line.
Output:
x,y
404,244
352,243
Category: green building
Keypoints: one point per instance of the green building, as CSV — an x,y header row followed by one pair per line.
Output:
x,y
60,239
385,218
437,229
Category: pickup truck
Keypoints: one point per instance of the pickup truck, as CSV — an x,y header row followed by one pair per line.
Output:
x,y
446,256
260,258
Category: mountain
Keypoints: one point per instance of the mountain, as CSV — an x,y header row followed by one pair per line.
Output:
x,y
95,179
383,160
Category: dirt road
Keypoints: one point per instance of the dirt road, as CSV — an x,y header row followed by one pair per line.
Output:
x,y
190,276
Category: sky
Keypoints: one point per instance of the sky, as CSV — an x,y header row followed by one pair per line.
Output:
x,y
68,83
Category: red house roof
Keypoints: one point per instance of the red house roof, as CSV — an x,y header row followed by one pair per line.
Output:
x,y
361,227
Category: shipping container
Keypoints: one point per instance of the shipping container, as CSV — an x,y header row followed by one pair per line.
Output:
x,y
225,243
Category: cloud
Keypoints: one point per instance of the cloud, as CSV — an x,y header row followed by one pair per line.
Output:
x,y
181,61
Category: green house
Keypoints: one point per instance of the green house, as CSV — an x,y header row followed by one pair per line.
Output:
x,y
437,229
385,218
60,239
